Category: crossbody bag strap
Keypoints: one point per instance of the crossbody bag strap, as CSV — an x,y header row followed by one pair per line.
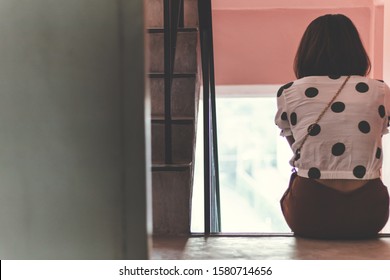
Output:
x,y
298,151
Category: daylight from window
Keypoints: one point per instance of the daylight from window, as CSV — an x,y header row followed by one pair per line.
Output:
x,y
253,166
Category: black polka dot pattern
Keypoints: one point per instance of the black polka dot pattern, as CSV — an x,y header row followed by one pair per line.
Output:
x,y
314,173
338,149
293,118
345,117
286,86
338,107
378,153
314,129
364,127
362,87
280,91
382,111
311,92
359,171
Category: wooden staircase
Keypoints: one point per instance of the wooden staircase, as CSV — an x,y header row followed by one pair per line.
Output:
x,y
172,171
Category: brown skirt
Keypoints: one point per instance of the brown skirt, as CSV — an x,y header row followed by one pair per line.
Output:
x,y
314,210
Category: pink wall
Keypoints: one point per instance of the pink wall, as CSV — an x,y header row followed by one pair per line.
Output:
x,y
255,45
376,39
258,4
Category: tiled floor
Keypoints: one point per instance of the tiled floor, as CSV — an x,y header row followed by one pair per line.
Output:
x,y
269,248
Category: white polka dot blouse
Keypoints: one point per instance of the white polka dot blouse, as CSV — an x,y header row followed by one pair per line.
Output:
x,y
347,142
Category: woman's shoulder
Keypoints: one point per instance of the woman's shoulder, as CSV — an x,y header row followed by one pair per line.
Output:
x,y
310,80
284,87
366,84
367,80
329,81
333,79
305,82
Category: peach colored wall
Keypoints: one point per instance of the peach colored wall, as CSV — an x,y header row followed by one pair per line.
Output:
x,y
258,46
256,4
376,32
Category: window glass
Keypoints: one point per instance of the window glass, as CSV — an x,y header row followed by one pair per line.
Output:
x,y
253,165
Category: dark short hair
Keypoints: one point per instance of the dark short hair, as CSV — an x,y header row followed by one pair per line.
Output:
x,y
331,46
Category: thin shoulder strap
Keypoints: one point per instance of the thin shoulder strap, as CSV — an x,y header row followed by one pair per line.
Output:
x,y
298,151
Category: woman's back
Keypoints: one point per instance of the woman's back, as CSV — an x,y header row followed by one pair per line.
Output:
x,y
346,143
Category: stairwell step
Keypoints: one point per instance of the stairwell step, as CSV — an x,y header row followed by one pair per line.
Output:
x,y
154,13
185,58
175,75
171,167
182,97
180,29
183,139
180,120
172,186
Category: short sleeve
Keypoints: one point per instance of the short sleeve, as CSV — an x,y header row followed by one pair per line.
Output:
x,y
281,117
387,110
